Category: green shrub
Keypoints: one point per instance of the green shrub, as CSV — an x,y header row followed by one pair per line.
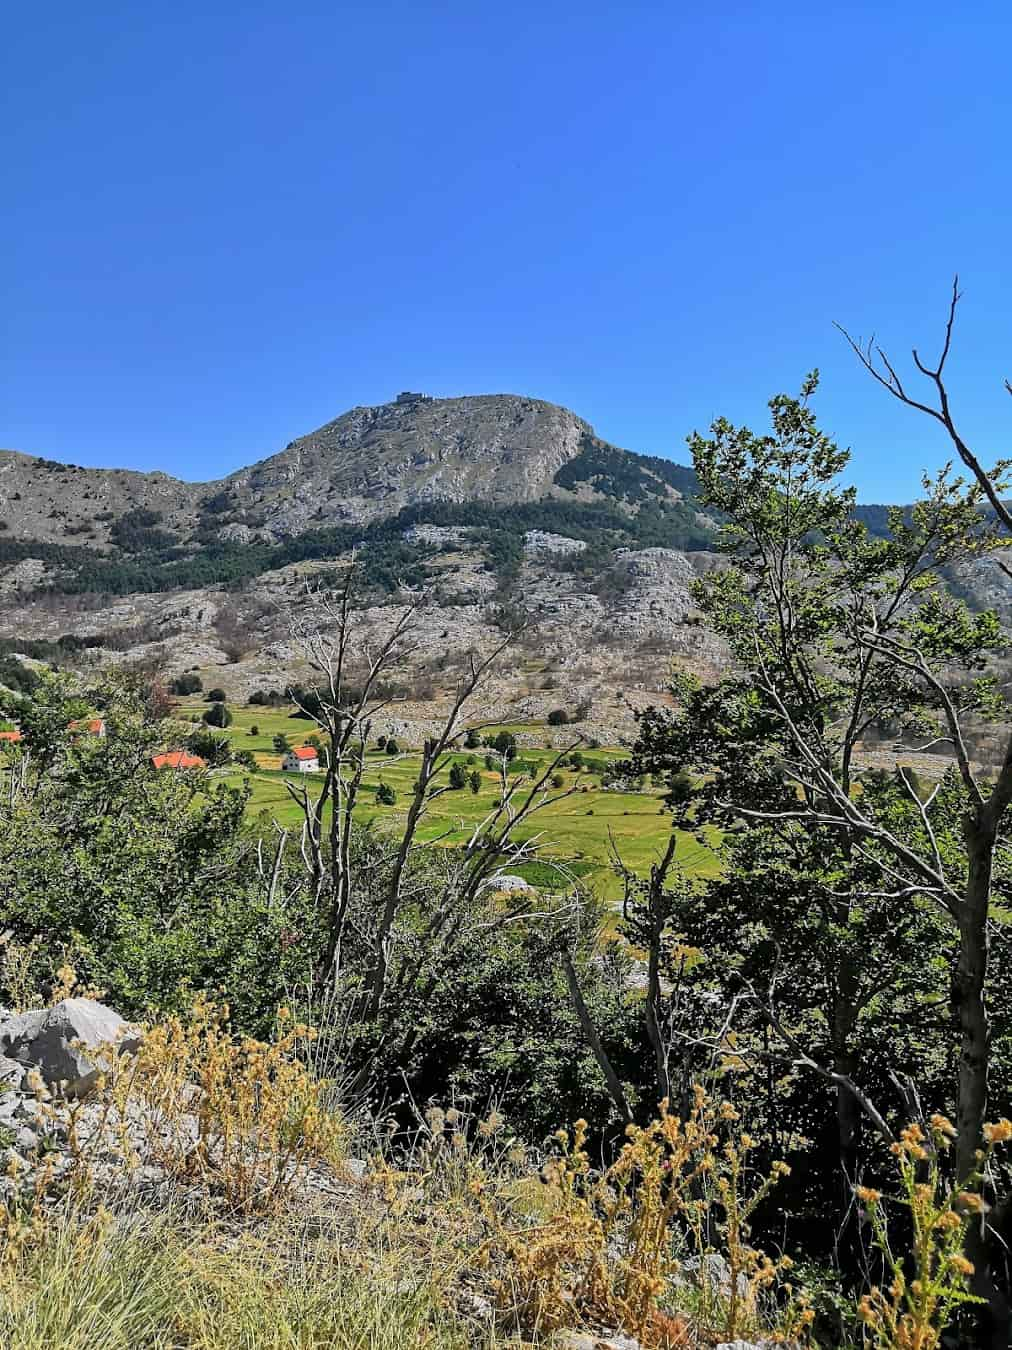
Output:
x,y
187,684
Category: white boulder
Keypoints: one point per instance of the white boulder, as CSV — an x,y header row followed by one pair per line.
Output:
x,y
55,1041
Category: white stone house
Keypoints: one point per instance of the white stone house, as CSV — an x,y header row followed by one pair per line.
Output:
x,y
301,759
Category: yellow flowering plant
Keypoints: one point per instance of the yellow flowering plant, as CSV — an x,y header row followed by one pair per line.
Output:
x,y
931,1282
238,1116
610,1245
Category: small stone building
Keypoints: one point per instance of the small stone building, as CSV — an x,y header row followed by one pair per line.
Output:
x,y
301,759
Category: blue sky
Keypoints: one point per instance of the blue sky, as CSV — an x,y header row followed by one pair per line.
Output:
x,y
223,225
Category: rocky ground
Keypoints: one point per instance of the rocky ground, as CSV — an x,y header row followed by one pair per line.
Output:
x,y
62,1140
613,650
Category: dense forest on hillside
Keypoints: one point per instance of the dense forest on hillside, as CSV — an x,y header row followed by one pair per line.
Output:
x,y
149,560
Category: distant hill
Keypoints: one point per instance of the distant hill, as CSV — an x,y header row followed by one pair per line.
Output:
x,y
497,461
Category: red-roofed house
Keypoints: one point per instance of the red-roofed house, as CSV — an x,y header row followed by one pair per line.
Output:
x,y
302,759
178,759
87,726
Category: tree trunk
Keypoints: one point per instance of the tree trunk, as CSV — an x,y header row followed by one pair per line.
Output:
x,y
969,1008
612,1079
968,996
848,1108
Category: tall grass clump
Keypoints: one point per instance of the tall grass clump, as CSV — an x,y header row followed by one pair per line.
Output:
x,y
147,1282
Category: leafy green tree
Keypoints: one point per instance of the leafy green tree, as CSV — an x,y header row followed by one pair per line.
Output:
x,y
834,631
216,696
280,743
218,715
214,750
147,879
458,777
16,675
385,795
503,743
187,683
44,714
474,781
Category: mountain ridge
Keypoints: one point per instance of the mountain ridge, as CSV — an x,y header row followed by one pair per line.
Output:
x,y
368,462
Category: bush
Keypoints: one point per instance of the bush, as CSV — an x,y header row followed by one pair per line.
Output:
x,y
504,743
474,781
391,747
218,716
558,717
214,750
612,1242
187,684
254,729
280,743
558,780
472,740
458,777
216,696
385,795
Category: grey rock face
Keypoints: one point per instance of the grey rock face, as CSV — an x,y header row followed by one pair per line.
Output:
x,y
745,1345
372,461
55,1041
11,1072
714,1272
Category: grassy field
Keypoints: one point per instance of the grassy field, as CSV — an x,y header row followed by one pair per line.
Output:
x,y
578,831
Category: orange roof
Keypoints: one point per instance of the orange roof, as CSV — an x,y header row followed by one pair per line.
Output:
x,y
305,752
93,724
178,759
10,736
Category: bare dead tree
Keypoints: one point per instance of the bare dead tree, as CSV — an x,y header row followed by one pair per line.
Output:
x,y
344,714
879,366
351,675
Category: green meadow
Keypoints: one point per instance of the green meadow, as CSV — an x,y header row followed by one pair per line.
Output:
x,y
578,832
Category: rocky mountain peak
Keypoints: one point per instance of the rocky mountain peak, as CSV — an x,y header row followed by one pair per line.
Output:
x,y
371,461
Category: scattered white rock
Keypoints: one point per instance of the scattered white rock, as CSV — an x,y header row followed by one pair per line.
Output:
x,y
509,884
541,541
